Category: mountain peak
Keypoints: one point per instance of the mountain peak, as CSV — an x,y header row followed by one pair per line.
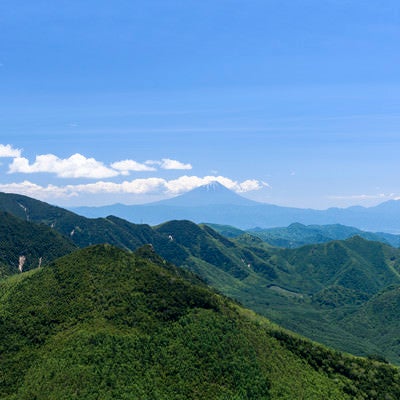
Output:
x,y
212,193
213,186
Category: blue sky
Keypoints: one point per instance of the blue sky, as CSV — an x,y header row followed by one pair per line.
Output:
x,y
286,102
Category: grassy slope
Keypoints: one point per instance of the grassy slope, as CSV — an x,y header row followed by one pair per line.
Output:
x,y
102,323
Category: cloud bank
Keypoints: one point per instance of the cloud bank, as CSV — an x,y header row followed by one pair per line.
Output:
x,y
135,187
79,166
126,166
76,166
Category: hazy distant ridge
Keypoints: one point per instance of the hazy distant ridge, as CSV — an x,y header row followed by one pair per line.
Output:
x,y
215,203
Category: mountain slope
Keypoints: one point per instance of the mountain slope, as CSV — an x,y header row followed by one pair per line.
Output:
x,y
80,230
378,319
28,245
355,263
102,323
308,290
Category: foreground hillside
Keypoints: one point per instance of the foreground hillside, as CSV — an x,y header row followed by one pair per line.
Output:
x,y
104,323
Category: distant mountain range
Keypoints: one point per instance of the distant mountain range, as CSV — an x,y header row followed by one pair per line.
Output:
x,y
216,204
296,234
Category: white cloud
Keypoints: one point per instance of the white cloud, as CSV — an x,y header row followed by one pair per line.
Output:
x,y
143,186
31,189
186,183
130,165
79,166
76,166
135,187
250,185
167,163
8,151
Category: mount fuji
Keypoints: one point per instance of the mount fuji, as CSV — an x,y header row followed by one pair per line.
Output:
x,y
211,194
214,203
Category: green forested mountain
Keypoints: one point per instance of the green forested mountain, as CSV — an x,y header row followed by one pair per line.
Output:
x,y
315,290
227,230
297,235
28,245
102,323
82,231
